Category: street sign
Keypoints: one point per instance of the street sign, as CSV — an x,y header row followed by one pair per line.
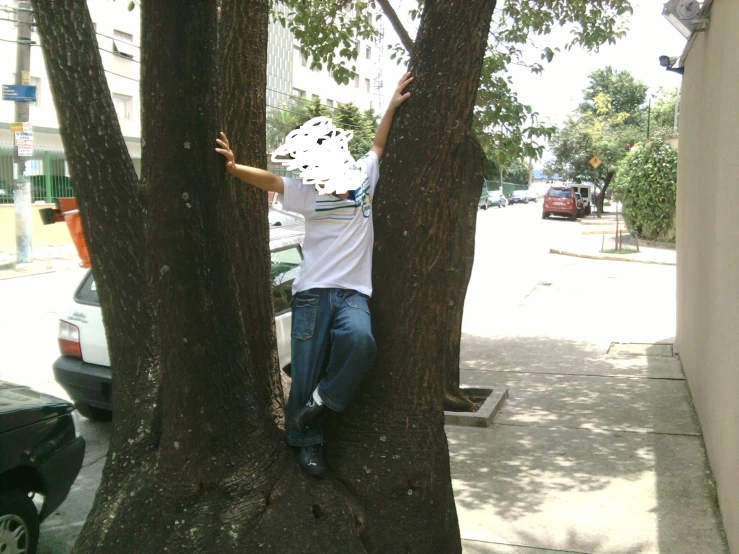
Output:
x,y
19,93
595,161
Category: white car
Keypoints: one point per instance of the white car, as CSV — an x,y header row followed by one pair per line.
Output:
x,y
279,217
83,369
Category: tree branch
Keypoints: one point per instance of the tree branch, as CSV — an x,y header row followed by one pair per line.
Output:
x,y
405,38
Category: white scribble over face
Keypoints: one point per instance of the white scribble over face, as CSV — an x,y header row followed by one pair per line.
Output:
x,y
320,151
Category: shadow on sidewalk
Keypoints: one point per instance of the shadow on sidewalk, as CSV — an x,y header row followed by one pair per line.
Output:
x,y
596,453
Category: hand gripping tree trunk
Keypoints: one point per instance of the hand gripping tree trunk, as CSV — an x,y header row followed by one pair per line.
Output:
x,y
390,449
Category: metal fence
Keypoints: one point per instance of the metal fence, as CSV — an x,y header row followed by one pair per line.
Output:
x,y
508,188
46,170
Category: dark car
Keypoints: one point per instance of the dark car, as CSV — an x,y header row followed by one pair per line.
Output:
x,y
497,198
519,197
41,454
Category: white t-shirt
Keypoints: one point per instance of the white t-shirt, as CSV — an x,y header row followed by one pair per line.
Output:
x,y
337,250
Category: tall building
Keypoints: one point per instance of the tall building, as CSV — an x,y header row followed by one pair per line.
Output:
x,y
289,80
279,62
118,35
313,84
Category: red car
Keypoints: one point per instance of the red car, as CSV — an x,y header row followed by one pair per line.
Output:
x,y
560,201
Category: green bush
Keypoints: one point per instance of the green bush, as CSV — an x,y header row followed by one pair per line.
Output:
x,y
646,184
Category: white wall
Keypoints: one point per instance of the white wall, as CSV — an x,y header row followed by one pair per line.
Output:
x,y
708,247
123,74
320,83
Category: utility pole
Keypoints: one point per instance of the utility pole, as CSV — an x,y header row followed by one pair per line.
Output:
x,y
22,189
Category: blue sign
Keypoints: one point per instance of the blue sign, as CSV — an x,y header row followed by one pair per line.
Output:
x,y
19,93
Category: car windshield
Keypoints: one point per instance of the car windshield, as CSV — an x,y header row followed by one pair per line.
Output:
x,y
560,193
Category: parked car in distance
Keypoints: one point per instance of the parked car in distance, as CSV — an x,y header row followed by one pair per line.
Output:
x,y
560,201
519,197
41,453
484,201
497,198
533,197
278,217
83,369
579,203
586,191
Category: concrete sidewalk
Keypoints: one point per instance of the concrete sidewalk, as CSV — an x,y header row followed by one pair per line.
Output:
x,y
596,240
45,260
598,448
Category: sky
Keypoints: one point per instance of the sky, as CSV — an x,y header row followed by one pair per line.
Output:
x,y
557,92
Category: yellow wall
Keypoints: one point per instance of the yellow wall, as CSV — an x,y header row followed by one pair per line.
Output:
x,y
708,247
43,235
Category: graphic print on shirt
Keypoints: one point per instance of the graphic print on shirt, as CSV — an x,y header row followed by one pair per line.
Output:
x,y
330,209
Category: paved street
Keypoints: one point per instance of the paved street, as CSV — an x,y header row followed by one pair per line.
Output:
x,y
579,456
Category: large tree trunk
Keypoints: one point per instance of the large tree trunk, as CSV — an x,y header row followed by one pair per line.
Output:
x,y
390,450
463,255
197,461
601,196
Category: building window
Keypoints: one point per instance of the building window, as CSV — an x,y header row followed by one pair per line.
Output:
x,y
127,37
299,57
330,103
367,84
299,93
123,106
368,52
356,81
316,97
123,44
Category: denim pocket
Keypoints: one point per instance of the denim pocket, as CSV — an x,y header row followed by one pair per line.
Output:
x,y
358,301
305,306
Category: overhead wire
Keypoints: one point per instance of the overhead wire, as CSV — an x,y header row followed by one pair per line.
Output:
x,y
279,108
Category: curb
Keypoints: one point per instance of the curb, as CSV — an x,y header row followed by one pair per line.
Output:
x,y
485,414
606,257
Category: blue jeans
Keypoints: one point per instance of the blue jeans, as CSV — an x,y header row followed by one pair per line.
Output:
x,y
332,349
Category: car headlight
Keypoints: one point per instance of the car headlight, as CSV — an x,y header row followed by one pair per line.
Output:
x,y
76,421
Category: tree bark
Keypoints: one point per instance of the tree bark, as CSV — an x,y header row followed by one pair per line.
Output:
x,y
400,30
113,207
601,196
390,450
463,255
197,460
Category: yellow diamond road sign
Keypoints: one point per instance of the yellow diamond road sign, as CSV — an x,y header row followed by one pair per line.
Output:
x,y
595,161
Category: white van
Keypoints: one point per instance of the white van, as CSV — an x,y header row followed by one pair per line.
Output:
x,y
83,369
585,190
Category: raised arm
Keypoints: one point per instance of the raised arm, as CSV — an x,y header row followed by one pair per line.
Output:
x,y
254,176
383,130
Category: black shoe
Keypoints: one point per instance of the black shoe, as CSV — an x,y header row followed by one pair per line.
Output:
x,y
311,460
308,415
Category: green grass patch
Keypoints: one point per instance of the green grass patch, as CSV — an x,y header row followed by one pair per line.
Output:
x,y
622,251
